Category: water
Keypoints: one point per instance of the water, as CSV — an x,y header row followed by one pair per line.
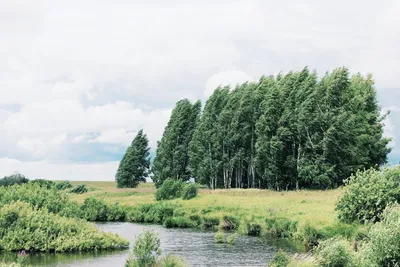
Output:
x,y
196,247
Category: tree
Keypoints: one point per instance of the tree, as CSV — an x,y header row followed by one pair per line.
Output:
x,y
134,166
172,159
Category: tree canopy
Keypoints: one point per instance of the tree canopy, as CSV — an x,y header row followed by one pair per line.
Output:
x,y
134,166
283,132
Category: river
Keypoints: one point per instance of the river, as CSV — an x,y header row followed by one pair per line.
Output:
x,y
195,246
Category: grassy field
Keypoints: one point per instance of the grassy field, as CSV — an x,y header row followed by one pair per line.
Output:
x,y
316,208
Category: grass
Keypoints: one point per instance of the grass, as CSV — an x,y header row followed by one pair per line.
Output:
x,y
315,208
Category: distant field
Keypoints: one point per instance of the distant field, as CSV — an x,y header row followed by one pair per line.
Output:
x,y
316,208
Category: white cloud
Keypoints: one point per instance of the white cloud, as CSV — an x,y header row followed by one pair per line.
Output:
x,y
59,171
98,71
231,78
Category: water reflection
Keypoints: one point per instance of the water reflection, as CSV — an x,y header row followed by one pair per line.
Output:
x,y
196,247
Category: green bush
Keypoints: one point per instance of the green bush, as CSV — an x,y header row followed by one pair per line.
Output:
x,y
24,227
35,195
281,227
170,261
219,238
145,250
229,223
79,189
368,193
13,180
62,185
310,236
210,222
280,259
170,189
151,213
231,239
43,183
253,229
382,247
179,222
189,191
95,209
334,253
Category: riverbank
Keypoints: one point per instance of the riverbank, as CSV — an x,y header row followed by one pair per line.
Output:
x,y
302,215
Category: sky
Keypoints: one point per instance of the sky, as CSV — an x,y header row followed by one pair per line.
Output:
x,y
78,79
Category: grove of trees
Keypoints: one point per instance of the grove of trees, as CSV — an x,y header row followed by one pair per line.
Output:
x,y
284,132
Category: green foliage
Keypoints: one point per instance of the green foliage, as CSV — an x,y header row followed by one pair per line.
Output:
x,y
189,191
253,229
35,195
151,213
382,247
230,223
285,132
134,166
231,239
43,183
310,236
210,222
62,185
170,261
281,227
172,155
280,259
79,189
24,227
13,180
179,222
170,189
219,238
334,253
145,250
368,193
98,210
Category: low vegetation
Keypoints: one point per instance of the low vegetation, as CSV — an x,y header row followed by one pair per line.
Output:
x,y
173,188
146,253
13,179
79,189
368,193
25,227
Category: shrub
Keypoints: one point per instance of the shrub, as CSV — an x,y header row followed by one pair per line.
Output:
x,y
63,185
210,222
230,223
231,239
189,191
35,195
178,222
382,248
170,261
368,193
151,213
281,227
145,250
219,237
13,180
280,259
43,183
170,189
79,189
196,219
253,229
310,236
24,227
334,253
95,209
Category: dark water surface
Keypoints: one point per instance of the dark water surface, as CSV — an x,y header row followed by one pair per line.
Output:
x,y
196,247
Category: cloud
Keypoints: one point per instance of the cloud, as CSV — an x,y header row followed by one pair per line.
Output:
x,y
60,171
231,78
78,79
